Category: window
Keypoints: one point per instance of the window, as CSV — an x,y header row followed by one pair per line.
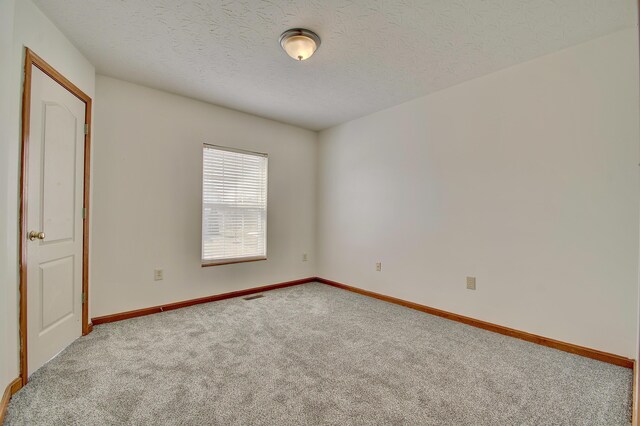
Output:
x,y
234,206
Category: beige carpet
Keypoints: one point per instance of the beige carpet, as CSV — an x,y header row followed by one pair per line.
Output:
x,y
314,354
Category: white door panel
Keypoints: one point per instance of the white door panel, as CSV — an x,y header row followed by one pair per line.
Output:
x,y
56,292
59,172
54,206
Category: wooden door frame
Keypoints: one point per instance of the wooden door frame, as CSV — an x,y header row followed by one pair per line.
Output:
x,y
31,60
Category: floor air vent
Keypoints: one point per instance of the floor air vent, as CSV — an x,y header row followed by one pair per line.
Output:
x,y
255,296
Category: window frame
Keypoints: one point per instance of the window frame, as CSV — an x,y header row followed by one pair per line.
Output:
x,y
229,261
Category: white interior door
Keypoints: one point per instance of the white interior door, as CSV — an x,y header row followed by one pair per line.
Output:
x,y
54,219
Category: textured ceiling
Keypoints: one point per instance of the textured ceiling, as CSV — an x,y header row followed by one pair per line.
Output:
x,y
374,53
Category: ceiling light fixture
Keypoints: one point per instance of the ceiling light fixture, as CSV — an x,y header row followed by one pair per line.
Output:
x,y
299,43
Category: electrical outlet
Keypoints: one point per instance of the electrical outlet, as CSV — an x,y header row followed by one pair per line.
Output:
x,y
471,283
378,266
305,257
158,274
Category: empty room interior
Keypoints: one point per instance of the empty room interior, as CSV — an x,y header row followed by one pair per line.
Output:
x,y
306,212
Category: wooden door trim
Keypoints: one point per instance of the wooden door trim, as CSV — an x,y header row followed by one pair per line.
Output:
x,y
31,59
635,406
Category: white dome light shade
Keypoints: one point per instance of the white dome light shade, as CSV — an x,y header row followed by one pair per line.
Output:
x,y
299,47
299,43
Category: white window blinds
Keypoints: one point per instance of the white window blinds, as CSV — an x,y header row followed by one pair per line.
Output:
x,y
234,205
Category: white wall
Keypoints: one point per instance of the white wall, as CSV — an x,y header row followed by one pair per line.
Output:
x,y
8,321
526,178
22,24
147,198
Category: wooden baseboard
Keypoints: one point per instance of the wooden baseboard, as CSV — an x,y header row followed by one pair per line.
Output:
x,y
11,388
170,306
89,328
534,338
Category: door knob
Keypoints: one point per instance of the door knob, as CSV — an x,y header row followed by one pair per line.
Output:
x,y
35,235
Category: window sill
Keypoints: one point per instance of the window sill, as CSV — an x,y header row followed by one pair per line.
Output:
x,y
206,264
